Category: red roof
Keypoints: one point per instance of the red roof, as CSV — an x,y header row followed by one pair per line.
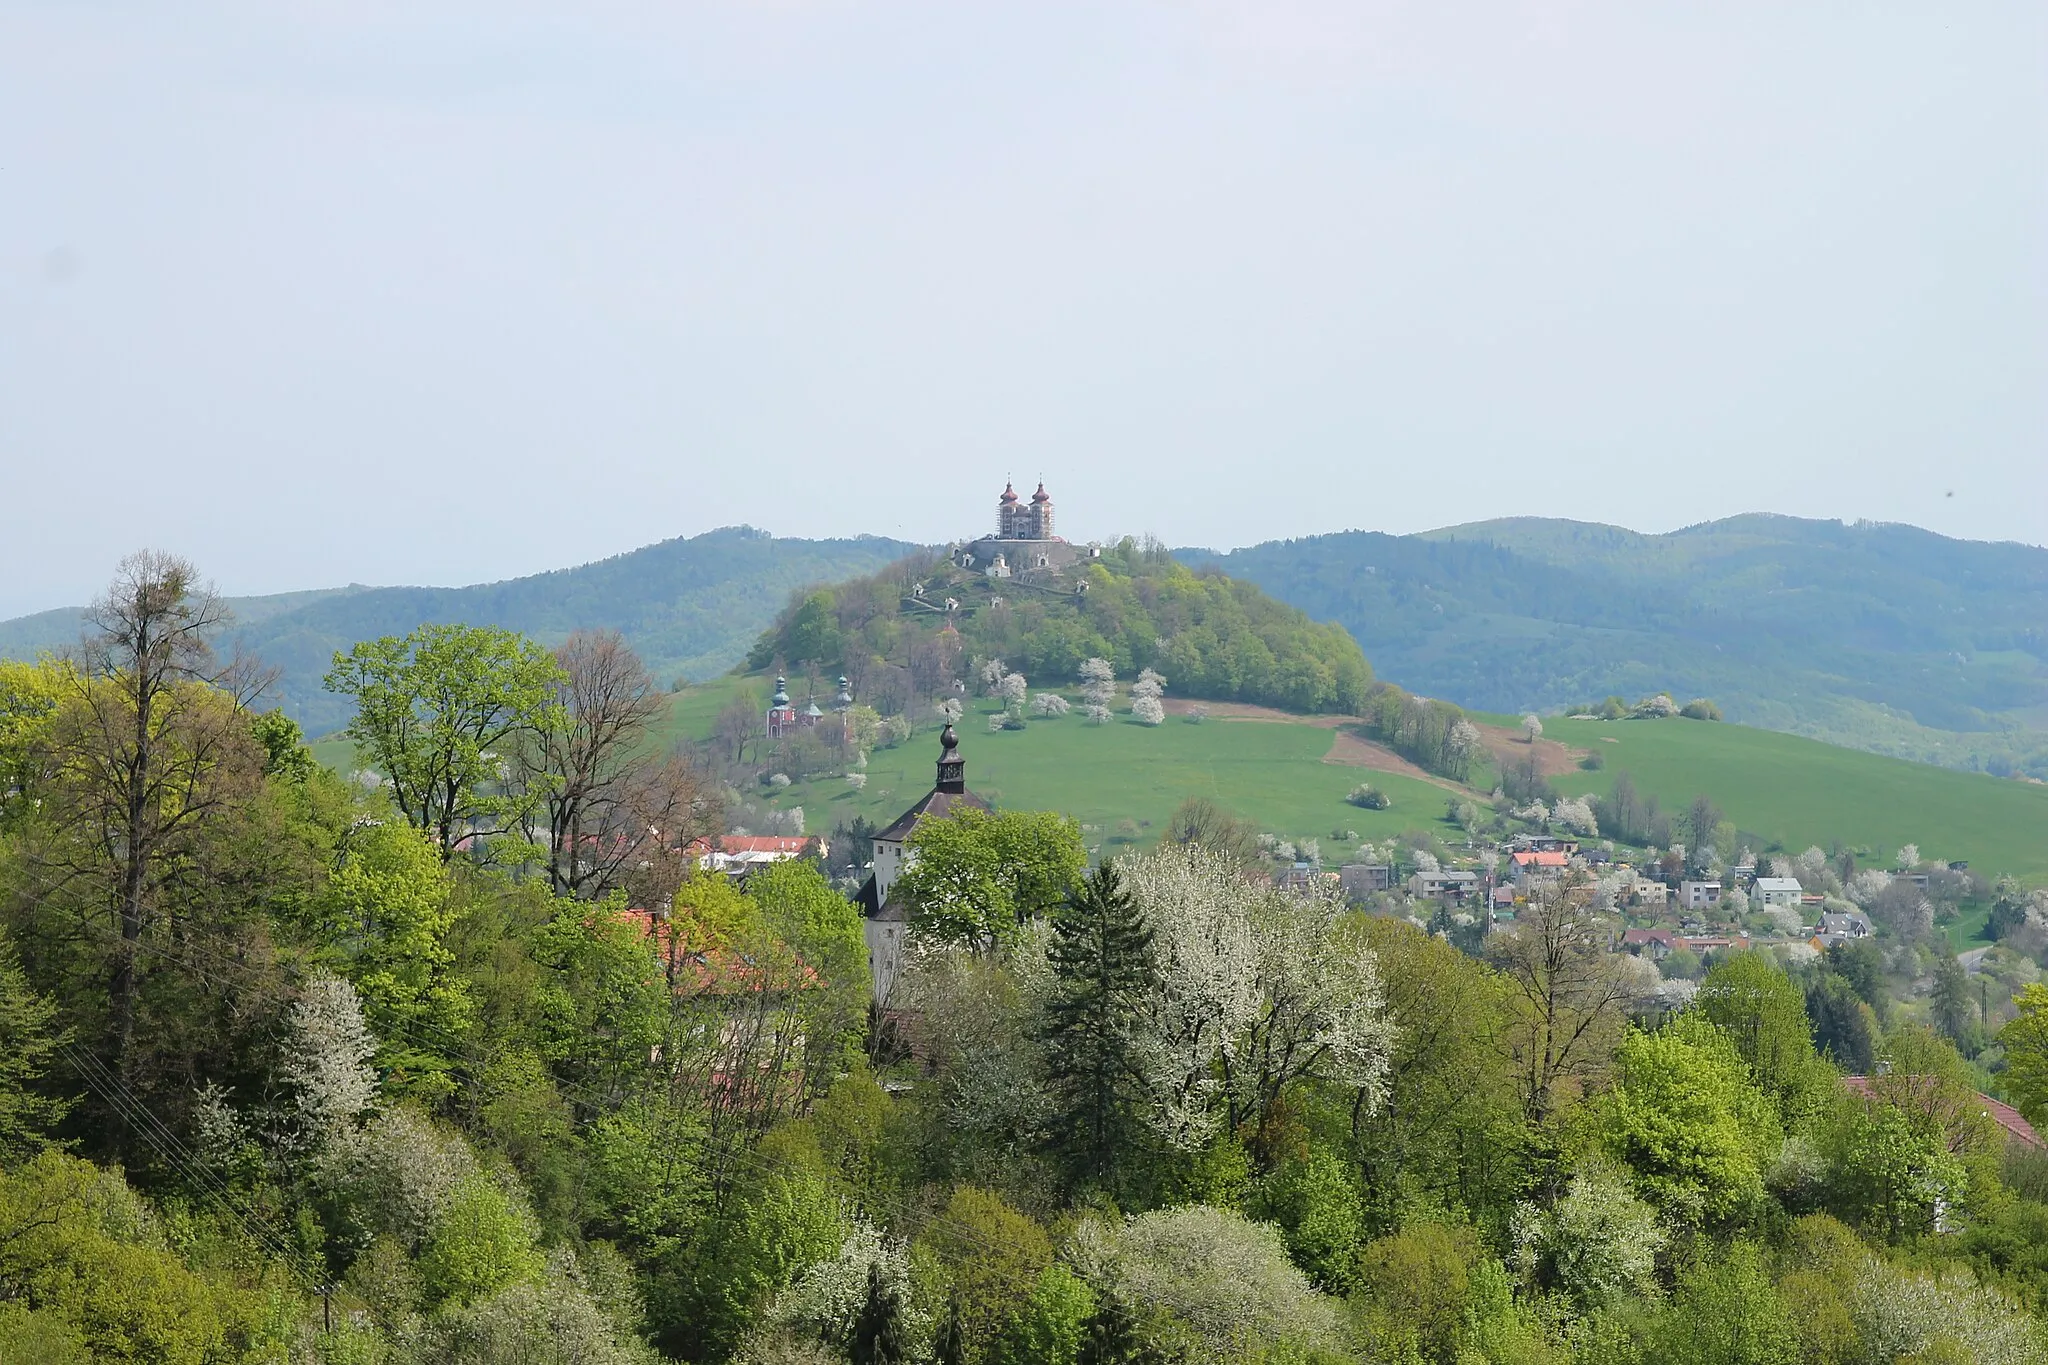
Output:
x,y
1041,495
1541,859
2004,1115
1009,494
778,845
709,968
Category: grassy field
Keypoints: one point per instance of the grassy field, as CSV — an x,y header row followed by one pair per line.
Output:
x,y
1791,791
1795,792
1271,772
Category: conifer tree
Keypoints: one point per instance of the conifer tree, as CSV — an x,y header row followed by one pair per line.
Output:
x,y
952,1347
1102,957
878,1330
1111,1338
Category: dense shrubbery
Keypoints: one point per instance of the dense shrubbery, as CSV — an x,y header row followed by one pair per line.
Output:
x,y
1213,636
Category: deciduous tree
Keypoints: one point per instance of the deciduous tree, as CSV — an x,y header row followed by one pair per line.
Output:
x,y
440,713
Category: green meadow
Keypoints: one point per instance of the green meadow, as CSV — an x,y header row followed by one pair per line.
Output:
x,y
1795,792
1789,791
1271,772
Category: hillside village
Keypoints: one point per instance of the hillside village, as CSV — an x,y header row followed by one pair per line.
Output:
x,y
714,1025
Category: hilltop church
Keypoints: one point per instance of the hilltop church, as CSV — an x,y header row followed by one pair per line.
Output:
x,y
1024,544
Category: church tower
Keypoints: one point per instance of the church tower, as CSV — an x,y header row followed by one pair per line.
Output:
x,y
1008,514
1041,513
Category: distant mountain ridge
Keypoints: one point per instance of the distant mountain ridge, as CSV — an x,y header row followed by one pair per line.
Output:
x,y
690,606
1880,636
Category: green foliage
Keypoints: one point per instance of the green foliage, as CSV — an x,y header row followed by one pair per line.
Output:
x,y
29,1112
84,1264
1315,1201
1762,1012
603,1004
1102,960
978,876
1416,1284
1890,1170
1051,1327
435,713
1210,635
878,1333
2026,1054
1845,1028
992,1258
389,907
1727,1313
483,1241
1687,1123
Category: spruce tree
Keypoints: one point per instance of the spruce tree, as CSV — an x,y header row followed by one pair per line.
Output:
x,y
1102,957
1111,1338
878,1330
952,1348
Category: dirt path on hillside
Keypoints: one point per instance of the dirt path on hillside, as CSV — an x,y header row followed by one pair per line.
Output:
x,y
1347,747
1240,710
1553,759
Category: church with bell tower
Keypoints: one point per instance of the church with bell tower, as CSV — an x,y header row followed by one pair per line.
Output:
x,y
1024,544
886,916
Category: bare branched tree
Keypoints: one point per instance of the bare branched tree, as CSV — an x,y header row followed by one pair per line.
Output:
x,y
152,742
614,813
1570,991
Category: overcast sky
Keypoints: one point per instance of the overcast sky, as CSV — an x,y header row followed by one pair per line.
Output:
x,y
421,292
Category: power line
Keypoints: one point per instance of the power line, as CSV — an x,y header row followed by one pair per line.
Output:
x,y
743,1158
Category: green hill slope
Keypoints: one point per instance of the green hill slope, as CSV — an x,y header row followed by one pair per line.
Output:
x,y
1211,635
1290,774
1884,637
689,606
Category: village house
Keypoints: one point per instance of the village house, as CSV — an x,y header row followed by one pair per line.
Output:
x,y
1841,926
1698,895
1539,865
737,855
1778,891
1449,885
1360,880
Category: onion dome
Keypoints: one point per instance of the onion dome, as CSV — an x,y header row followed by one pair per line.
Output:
x,y
952,767
845,697
781,697
1009,494
1041,495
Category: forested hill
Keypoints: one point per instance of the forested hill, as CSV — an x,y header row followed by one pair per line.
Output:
x,y
1884,637
1212,636
689,606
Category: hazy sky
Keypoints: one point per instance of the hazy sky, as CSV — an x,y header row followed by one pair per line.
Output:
x,y
420,292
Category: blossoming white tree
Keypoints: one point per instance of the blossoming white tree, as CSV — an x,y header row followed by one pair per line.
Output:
x,y
1576,814
1098,683
1260,988
1051,705
1532,727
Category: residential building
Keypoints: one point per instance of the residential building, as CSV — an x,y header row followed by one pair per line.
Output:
x,y
1778,891
736,855
1363,879
1444,884
1537,865
1698,895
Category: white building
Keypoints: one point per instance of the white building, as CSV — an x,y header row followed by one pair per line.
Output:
x,y
1778,890
887,917
1698,895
